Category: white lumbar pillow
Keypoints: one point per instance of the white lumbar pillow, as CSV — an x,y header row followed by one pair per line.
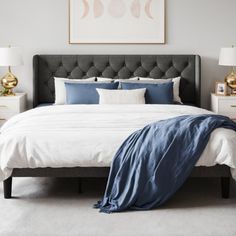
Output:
x,y
134,96
60,89
176,85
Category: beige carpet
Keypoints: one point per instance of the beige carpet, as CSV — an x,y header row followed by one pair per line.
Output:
x,y
44,206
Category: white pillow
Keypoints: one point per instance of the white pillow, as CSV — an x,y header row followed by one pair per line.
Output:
x,y
176,85
134,96
109,80
101,79
130,80
60,89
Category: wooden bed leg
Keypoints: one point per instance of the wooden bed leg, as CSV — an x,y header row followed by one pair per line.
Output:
x,y
7,187
79,185
225,187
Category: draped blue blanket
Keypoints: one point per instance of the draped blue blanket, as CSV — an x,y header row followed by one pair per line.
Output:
x,y
153,163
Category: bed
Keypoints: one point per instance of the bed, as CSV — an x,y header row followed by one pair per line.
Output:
x,y
46,67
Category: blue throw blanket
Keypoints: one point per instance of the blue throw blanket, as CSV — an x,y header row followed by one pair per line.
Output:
x,y
153,163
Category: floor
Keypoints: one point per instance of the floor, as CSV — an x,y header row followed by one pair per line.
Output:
x,y
44,206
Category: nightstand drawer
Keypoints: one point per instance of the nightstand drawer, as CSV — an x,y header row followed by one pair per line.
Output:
x,y
9,105
7,114
227,106
224,105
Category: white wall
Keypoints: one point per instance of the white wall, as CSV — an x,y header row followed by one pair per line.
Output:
x,y
193,26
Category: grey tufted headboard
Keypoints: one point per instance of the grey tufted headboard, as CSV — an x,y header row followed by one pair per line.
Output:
x,y
116,66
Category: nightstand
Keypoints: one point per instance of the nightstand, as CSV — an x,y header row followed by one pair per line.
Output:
x,y
11,105
224,105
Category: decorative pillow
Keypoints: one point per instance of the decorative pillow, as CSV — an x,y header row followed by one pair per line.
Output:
x,y
155,93
85,93
130,80
135,96
60,90
101,79
176,85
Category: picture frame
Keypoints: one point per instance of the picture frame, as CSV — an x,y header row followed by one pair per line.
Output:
x,y
131,22
221,88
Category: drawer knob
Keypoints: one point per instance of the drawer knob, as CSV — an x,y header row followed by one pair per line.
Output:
x,y
233,105
3,119
3,106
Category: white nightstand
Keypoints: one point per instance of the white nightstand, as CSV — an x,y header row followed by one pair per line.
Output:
x,y
11,105
224,105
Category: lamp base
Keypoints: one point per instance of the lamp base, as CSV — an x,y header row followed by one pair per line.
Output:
x,y
8,92
230,79
9,81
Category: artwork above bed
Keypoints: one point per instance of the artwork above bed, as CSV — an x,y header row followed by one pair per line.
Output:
x,y
117,21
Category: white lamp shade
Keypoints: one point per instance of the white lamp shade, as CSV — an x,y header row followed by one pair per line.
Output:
x,y
227,57
10,56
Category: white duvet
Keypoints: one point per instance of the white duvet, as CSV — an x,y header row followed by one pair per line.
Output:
x,y
89,135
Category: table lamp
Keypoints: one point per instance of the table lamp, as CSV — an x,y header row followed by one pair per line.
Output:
x,y
228,58
10,56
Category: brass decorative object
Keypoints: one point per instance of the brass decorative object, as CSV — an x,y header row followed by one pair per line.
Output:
x,y
8,82
230,79
9,56
228,58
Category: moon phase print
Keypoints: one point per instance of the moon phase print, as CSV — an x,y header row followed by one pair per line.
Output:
x,y
117,21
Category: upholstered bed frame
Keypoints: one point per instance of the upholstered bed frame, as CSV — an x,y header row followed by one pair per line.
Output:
x,y
45,67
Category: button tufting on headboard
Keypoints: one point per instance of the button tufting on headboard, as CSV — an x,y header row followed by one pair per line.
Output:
x,y
116,66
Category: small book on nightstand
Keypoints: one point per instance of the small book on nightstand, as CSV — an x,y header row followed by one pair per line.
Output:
x,y
224,105
11,105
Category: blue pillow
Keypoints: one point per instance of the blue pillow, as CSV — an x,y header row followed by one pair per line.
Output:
x,y
155,93
85,93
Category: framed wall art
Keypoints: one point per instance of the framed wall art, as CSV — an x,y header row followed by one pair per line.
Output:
x,y
116,21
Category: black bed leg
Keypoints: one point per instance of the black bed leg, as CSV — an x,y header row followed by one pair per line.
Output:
x,y
225,186
7,187
79,185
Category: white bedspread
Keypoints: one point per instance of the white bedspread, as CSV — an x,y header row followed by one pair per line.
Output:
x,y
89,135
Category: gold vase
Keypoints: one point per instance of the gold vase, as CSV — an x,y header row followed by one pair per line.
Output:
x,y
9,81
